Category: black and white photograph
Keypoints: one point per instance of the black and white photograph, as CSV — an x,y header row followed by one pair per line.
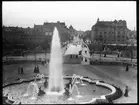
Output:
x,y
69,52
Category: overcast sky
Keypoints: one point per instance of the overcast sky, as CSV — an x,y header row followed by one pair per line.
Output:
x,y
81,15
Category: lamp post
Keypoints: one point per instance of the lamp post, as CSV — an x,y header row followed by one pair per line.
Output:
x,y
35,55
45,54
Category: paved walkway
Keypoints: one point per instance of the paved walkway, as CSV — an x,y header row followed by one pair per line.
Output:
x,y
109,58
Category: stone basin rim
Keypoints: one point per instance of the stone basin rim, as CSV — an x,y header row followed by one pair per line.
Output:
x,y
112,88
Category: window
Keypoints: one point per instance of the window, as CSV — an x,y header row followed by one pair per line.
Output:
x,y
46,33
50,33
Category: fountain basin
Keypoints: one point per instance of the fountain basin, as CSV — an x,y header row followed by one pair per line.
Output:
x,y
102,92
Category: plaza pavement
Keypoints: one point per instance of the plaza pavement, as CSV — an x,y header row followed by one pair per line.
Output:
x,y
111,74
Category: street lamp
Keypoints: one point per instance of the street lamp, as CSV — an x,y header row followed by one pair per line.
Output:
x,y
115,34
35,55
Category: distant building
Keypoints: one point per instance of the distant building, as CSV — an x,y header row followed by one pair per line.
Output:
x,y
110,32
133,35
47,28
28,31
73,31
35,35
87,35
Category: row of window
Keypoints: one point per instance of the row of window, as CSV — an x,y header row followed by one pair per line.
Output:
x,y
111,32
110,40
112,36
25,37
48,33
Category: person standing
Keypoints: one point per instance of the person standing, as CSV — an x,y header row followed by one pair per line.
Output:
x,y
127,67
37,69
22,70
48,61
43,62
45,84
126,91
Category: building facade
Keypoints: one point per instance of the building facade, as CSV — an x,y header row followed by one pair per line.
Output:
x,y
48,27
35,35
110,32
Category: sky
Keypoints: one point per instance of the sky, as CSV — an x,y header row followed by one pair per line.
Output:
x,y
82,15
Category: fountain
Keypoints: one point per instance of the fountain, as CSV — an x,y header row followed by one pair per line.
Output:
x,y
71,91
81,81
33,87
55,84
32,90
77,79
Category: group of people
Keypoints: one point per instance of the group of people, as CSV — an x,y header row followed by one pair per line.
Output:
x,y
44,62
24,54
21,70
73,56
